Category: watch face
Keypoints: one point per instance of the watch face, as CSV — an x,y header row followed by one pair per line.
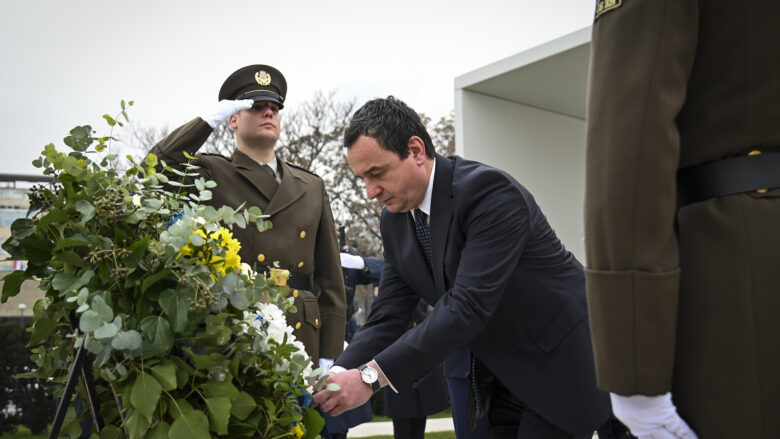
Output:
x,y
369,375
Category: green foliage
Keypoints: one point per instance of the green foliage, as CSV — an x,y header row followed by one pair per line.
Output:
x,y
151,279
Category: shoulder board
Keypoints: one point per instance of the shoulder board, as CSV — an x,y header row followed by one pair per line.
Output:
x,y
302,169
210,154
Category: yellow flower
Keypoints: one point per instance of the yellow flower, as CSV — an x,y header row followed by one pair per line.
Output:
x,y
279,276
297,431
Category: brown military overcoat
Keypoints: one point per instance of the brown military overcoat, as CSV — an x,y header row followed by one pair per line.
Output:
x,y
685,300
303,238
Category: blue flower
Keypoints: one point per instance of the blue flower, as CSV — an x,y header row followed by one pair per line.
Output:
x,y
305,399
175,218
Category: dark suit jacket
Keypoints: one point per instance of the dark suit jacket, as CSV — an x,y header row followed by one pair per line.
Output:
x,y
303,238
502,284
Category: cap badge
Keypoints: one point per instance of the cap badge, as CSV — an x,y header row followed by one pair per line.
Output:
x,y
262,77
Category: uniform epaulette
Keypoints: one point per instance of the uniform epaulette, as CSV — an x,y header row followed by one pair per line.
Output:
x,y
302,169
211,154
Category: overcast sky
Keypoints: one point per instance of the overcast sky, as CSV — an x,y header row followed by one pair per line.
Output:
x,y
65,63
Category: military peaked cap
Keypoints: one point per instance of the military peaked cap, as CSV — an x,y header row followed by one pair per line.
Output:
x,y
259,82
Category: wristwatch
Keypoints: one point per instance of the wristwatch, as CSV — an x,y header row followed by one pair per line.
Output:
x,y
370,376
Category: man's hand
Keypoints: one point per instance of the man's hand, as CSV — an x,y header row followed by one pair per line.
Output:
x,y
651,417
221,112
353,393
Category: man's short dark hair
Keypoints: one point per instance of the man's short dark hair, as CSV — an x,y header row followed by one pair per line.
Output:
x,y
391,123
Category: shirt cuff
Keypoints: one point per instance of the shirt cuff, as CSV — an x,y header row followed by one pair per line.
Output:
x,y
389,384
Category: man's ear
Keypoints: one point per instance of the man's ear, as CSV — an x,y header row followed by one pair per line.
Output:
x,y
232,121
416,148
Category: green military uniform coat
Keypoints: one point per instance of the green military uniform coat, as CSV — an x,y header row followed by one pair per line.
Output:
x,y
685,300
303,238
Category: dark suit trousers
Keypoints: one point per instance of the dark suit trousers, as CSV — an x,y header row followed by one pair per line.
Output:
x,y
409,428
511,419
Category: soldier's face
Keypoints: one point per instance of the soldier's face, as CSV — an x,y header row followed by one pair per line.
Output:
x,y
397,183
259,123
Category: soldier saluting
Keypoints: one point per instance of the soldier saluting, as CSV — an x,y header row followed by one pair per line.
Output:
x,y
303,239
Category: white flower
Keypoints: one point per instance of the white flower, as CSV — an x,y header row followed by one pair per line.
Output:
x,y
199,220
137,200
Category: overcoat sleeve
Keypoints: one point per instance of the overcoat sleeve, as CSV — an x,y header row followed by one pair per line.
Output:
x,y
642,54
187,138
329,285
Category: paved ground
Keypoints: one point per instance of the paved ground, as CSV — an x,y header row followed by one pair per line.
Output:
x,y
377,428
386,428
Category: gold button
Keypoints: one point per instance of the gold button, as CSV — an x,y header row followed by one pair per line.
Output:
x,y
300,264
295,293
298,325
757,152
317,322
260,257
303,234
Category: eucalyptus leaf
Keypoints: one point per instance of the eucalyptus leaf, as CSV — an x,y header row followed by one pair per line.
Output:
x,y
89,321
104,311
107,330
126,341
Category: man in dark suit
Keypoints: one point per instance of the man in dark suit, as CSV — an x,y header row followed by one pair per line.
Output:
x,y
303,238
682,207
500,281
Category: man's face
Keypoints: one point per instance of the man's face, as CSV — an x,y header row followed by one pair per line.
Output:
x,y
397,183
259,123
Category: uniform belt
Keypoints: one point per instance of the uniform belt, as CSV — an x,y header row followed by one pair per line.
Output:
x,y
297,281
727,177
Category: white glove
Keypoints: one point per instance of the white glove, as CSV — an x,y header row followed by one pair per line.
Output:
x,y
225,108
651,417
352,261
325,365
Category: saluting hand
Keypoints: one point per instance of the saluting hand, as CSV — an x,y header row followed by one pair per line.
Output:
x,y
225,108
353,392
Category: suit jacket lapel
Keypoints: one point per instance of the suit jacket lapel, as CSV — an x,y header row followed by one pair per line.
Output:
x,y
290,189
254,173
441,216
